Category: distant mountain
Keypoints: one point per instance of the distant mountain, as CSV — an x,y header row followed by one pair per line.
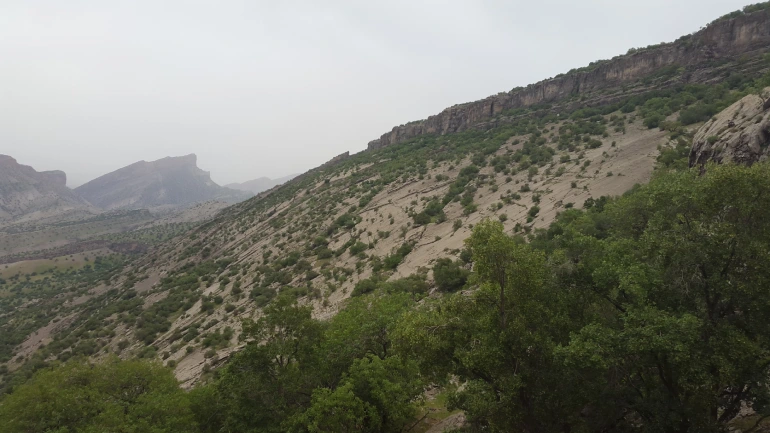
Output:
x,y
256,186
25,192
168,182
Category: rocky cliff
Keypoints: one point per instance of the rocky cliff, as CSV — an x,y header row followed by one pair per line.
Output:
x,y
255,186
722,41
740,134
167,182
30,193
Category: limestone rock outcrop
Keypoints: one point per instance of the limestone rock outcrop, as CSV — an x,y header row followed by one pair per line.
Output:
x,y
740,134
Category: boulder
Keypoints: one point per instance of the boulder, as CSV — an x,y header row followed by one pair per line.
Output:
x,y
740,134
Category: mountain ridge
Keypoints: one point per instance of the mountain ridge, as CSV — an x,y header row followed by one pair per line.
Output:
x,y
169,181
26,192
725,38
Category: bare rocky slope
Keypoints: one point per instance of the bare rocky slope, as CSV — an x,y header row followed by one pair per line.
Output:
x,y
29,194
167,182
739,134
392,211
323,233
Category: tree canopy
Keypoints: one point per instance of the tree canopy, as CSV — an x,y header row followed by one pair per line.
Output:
x,y
648,314
115,396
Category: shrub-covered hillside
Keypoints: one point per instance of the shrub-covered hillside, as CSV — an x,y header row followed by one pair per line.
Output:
x,y
377,216
521,274
645,313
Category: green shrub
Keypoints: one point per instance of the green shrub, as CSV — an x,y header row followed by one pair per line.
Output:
x,y
358,247
449,275
365,286
421,218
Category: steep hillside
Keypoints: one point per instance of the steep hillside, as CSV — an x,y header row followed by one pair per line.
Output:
x,y
331,230
167,182
385,216
256,186
29,194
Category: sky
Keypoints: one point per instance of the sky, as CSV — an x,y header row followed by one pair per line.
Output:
x,y
270,88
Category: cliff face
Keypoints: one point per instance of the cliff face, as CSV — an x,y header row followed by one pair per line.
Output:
x,y
56,177
171,181
723,39
27,192
739,134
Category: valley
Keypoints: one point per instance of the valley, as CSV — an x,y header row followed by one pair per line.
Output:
x,y
546,259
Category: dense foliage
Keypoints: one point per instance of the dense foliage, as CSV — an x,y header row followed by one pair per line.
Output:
x,y
310,376
115,396
650,314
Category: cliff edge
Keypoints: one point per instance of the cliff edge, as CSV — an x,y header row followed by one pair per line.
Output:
x,y
725,39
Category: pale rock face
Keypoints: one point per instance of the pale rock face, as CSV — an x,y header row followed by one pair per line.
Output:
x,y
25,192
739,134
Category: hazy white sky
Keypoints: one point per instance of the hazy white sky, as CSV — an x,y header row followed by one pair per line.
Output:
x,y
268,88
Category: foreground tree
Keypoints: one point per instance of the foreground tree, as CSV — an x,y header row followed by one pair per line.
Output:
x,y
375,395
266,383
113,396
499,341
650,313
303,375
686,271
